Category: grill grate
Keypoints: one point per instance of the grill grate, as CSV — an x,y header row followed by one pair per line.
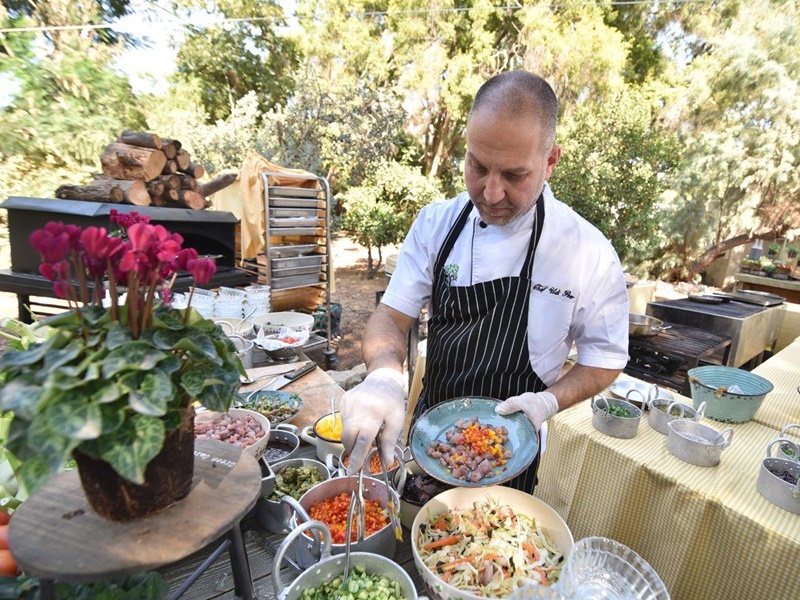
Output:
x,y
737,310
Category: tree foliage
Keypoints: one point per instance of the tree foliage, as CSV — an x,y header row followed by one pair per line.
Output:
x,y
238,57
612,169
381,211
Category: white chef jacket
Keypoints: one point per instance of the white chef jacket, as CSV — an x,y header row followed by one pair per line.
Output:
x,y
578,291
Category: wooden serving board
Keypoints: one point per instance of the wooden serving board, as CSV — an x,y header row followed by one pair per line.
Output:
x,y
314,389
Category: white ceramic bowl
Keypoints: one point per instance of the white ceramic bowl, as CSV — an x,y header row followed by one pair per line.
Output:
x,y
549,520
231,325
256,449
273,321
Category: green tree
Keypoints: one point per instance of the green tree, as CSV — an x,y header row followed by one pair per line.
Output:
x,y
381,211
246,53
738,114
70,102
612,169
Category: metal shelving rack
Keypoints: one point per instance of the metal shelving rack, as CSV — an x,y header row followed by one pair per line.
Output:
x,y
296,212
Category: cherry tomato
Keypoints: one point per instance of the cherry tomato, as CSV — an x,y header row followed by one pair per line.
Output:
x,y
4,517
8,566
3,537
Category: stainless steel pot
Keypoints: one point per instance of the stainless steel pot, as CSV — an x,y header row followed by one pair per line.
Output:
x,y
329,567
610,424
775,488
276,516
697,444
381,542
644,326
661,413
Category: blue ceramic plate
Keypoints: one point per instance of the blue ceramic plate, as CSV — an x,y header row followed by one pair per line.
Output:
x,y
432,425
277,406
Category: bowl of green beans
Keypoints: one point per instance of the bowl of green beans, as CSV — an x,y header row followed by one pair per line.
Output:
x,y
617,418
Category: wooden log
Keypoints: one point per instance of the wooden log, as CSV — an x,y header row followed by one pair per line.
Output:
x,y
100,190
174,143
170,168
183,159
105,189
134,192
218,183
169,149
195,169
188,182
171,195
155,188
123,161
140,138
171,182
191,199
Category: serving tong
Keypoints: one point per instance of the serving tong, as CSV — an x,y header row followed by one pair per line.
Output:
x,y
358,509
393,515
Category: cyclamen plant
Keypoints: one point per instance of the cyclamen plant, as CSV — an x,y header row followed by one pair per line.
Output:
x,y
111,382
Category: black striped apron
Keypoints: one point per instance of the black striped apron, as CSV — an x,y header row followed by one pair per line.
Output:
x,y
478,337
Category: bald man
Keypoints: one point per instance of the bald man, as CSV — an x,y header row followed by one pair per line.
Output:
x,y
511,276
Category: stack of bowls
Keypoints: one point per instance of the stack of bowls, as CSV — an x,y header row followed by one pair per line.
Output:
x,y
257,300
203,302
230,303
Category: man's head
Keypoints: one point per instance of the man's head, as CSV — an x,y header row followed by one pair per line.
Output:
x,y
510,145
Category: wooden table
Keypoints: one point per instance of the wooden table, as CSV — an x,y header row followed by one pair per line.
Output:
x,y
57,536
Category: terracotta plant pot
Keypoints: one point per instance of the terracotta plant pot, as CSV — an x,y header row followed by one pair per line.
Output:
x,y
168,478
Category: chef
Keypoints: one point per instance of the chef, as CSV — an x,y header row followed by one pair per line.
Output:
x,y
511,276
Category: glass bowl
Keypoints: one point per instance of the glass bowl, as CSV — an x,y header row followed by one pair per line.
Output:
x,y
600,568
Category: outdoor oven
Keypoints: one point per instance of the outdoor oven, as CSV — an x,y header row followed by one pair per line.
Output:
x,y
752,324
210,232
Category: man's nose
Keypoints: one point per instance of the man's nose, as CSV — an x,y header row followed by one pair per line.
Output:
x,y
493,192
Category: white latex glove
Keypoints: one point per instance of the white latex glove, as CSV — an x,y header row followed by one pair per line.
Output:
x,y
378,401
538,407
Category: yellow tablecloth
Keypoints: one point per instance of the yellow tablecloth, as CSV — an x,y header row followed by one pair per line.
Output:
x,y
782,405
707,531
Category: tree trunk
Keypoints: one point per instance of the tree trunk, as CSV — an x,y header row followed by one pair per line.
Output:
x,y
170,168
187,182
196,170
183,159
122,161
218,183
134,192
156,188
707,257
143,139
174,143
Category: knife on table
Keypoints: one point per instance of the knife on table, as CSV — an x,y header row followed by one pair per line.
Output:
x,y
289,377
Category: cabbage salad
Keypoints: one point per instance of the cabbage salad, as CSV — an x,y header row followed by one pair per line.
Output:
x,y
488,549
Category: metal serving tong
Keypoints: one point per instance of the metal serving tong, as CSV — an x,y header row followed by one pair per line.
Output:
x,y
393,514
357,509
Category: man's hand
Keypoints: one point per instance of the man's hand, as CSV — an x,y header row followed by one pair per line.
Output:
x,y
538,407
379,401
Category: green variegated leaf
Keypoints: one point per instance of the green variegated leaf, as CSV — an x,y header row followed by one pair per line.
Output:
x,y
168,319
131,447
75,416
60,320
34,473
117,336
151,397
66,378
220,386
170,364
194,379
110,392
191,340
134,356
54,447
173,419
57,358
95,316
34,354
21,396
113,416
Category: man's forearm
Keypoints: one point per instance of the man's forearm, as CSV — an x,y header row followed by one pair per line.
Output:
x,y
581,382
385,340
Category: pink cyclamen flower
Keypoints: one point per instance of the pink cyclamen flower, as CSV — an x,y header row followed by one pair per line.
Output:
x,y
52,245
202,269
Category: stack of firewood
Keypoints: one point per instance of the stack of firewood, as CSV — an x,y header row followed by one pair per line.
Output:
x,y
144,169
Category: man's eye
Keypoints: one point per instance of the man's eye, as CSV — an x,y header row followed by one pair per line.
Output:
x,y
515,176
478,168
